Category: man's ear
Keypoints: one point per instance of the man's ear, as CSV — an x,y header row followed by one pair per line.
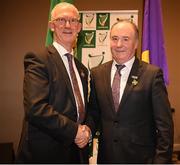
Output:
x,y
51,26
136,44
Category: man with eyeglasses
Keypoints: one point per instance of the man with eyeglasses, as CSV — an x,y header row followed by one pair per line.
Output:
x,y
55,97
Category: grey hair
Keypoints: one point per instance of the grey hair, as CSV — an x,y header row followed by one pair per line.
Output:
x,y
63,5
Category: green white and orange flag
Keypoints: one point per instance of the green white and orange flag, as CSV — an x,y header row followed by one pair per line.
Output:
x,y
49,36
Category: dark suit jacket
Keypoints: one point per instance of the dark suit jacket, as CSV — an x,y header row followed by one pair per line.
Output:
x,y
50,124
142,129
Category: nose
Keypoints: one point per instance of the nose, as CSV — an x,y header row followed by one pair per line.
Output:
x,y
119,43
67,24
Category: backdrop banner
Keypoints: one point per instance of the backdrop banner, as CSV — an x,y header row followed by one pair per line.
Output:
x,y
93,41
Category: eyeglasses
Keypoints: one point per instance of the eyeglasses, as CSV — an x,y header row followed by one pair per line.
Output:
x,y
63,21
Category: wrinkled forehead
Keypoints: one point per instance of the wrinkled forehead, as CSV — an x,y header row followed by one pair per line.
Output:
x,y
64,11
124,29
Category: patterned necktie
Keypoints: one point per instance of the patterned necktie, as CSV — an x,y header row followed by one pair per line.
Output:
x,y
80,105
116,86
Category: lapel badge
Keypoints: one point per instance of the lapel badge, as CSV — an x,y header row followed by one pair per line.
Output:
x,y
135,80
82,74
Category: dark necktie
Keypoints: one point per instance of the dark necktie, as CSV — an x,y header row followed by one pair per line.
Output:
x,y
116,86
81,110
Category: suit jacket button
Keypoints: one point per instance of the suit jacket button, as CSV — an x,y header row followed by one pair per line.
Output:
x,y
116,123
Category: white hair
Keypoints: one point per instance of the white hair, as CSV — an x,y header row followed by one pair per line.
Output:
x,y
63,5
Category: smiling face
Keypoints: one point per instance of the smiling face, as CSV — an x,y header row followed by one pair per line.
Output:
x,y
123,41
65,25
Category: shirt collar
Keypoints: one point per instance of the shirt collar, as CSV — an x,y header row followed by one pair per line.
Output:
x,y
61,50
128,64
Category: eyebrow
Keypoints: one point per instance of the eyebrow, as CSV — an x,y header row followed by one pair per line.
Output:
x,y
115,36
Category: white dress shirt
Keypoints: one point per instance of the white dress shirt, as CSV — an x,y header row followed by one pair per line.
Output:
x,y
62,51
124,74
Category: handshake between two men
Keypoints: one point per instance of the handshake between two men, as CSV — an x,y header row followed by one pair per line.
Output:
x,y
83,136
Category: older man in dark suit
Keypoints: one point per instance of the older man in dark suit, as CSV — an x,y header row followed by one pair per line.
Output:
x,y
55,97
130,100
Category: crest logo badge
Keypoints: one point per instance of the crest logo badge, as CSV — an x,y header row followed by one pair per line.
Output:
x,y
102,19
102,37
95,60
89,18
89,37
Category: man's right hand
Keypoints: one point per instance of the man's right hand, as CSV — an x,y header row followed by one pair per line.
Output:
x,y
82,136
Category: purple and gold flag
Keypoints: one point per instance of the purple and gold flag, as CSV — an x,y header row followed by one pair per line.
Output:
x,y
153,50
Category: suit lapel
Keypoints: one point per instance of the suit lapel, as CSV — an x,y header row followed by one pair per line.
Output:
x,y
107,84
131,82
62,70
83,76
